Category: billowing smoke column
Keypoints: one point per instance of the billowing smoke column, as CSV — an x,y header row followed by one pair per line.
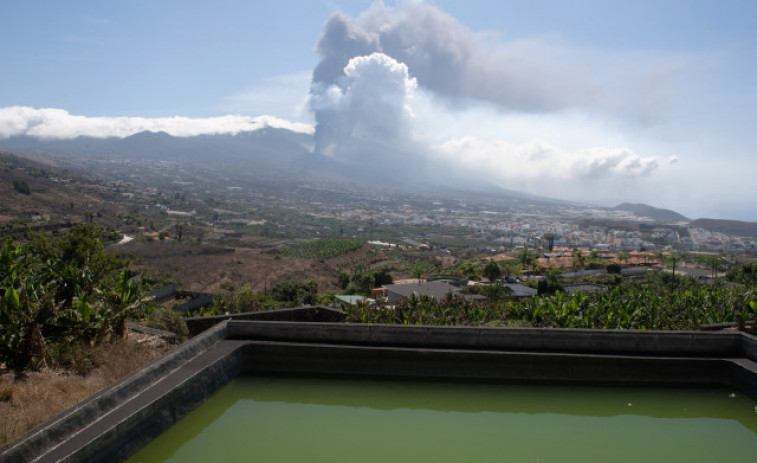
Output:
x,y
364,110
360,100
371,70
453,62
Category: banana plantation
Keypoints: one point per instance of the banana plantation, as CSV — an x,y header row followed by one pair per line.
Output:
x,y
58,292
654,304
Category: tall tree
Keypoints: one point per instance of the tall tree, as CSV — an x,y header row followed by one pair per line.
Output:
x,y
492,271
418,272
579,260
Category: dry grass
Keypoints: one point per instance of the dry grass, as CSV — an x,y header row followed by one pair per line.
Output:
x,y
34,399
200,271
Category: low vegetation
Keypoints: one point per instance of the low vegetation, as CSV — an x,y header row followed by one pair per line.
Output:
x,y
649,305
55,292
745,274
323,249
28,401
64,303
22,187
168,320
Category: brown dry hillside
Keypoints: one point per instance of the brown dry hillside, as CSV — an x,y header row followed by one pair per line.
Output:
x,y
52,193
204,268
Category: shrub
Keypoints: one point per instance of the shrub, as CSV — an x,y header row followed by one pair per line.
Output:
x,y
22,187
75,356
247,300
745,274
496,291
168,320
550,284
382,277
492,270
344,279
6,393
295,292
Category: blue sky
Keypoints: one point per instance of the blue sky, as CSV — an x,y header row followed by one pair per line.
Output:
x,y
648,101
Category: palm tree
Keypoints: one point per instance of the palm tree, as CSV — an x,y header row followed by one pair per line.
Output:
x,y
673,258
715,263
594,258
526,258
418,273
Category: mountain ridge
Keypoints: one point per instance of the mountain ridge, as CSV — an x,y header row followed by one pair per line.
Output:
x,y
280,148
728,227
267,147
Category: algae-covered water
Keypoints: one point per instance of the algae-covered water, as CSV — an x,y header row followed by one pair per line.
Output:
x,y
284,419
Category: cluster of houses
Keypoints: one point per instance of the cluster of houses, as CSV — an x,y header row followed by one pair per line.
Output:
x,y
565,258
436,287
440,289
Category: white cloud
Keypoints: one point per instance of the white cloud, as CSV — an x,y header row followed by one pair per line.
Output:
x,y
538,160
52,123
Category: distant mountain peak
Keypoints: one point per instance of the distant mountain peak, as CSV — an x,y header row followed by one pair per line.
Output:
x,y
149,134
654,213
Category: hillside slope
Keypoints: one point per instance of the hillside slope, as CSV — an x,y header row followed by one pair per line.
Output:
x,y
30,189
729,227
654,213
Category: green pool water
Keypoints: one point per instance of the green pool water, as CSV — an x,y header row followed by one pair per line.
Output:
x,y
282,419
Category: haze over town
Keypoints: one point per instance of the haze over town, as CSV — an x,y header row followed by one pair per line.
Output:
x,y
596,102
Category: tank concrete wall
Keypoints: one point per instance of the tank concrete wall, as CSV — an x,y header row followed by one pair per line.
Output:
x,y
554,355
449,364
605,342
118,436
44,442
197,325
117,421
749,346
